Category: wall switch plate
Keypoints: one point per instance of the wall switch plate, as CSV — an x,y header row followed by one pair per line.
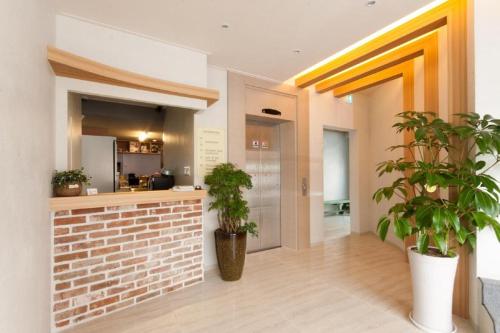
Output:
x,y
187,171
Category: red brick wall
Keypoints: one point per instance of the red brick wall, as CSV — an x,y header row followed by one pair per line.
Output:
x,y
109,258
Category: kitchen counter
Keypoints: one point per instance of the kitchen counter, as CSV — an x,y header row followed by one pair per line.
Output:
x,y
122,198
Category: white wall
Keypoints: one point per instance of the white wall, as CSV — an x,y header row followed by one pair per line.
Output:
x,y
130,51
26,137
213,117
146,56
330,113
335,165
487,87
126,51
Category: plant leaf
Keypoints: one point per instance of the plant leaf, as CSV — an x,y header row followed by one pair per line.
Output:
x,y
471,239
382,227
453,220
438,220
422,243
462,236
440,242
420,134
402,228
486,203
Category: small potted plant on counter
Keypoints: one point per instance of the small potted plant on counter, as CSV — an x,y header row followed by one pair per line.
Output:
x,y
225,186
69,183
442,197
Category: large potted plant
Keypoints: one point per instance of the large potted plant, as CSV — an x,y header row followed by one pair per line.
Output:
x,y
225,186
69,183
441,197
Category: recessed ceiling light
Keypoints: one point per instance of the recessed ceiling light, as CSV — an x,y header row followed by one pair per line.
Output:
x,y
371,3
225,26
296,51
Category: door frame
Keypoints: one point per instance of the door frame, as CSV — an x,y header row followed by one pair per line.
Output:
x,y
237,85
348,134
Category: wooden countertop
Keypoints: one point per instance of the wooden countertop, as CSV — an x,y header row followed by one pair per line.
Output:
x,y
122,198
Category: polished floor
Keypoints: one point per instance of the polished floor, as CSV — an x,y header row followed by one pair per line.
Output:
x,y
336,226
351,284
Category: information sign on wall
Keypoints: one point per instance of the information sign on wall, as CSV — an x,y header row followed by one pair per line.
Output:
x,y
210,146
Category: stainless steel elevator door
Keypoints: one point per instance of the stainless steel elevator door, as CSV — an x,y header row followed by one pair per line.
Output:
x,y
264,199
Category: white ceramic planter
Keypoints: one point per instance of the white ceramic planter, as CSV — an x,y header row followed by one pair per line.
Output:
x,y
433,279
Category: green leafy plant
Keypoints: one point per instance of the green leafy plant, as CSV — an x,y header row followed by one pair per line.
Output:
x,y
445,192
225,186
76,176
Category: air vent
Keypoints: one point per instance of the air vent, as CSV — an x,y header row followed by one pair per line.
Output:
x,y
272,112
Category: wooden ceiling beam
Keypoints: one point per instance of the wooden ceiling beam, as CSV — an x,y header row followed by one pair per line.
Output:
x,y
394,57
402,70
414,28
73,66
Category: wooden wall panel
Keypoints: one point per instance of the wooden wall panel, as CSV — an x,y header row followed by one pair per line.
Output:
x,y
454,16
73,66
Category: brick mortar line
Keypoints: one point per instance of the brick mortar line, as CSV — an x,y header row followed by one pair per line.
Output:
x,y
88,268
134,303
118,244
135,287
111,211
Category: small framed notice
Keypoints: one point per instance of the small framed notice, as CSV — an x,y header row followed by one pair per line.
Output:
x,y
92,191
210,149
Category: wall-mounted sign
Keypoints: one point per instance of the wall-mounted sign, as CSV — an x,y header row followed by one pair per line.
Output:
x,y
210,149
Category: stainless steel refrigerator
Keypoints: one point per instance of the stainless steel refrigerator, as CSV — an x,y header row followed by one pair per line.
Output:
x,y
99,160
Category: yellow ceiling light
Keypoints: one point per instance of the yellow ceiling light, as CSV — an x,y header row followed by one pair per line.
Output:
x,y
143,136
376,34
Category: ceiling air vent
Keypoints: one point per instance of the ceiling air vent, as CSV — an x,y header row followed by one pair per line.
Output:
x,y
272,112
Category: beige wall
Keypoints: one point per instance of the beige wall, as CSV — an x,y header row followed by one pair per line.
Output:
x,y
382,103
359,158
178,144
325,112
26,137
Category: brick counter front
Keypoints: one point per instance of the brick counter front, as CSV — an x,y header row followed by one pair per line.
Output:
x,y
109,258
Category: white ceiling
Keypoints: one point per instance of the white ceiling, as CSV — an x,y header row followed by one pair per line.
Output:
x,y
262,34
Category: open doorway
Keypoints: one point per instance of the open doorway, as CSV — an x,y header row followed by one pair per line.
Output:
x,y
336,201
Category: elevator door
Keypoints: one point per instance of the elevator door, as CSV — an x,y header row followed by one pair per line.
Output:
x,y
264,199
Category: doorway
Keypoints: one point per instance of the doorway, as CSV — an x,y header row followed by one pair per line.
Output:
x,y
336,201
263,163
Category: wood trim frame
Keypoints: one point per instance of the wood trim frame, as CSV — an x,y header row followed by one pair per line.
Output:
x,y
420,47
73,66
416,27
122,198
404,70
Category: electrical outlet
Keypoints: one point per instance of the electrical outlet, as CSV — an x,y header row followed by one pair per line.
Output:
x,y
187,171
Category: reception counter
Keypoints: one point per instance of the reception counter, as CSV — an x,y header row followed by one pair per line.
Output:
x,y
112,251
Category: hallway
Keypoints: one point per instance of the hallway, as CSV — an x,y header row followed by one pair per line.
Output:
x,y
354,284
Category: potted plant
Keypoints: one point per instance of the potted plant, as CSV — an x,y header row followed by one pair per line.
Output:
x,y
225,186
69,183
442,197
